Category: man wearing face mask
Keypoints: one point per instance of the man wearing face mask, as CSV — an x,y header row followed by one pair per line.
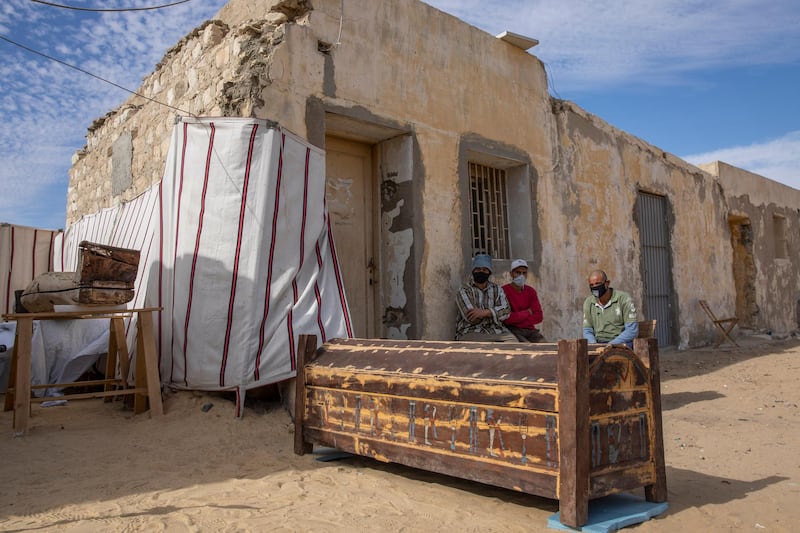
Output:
x,y
526,311
482,306
609,315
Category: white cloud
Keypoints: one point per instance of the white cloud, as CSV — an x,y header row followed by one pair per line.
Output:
x,y
777,159
46,107
587,44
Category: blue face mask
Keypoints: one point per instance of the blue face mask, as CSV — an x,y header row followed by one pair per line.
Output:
x,y
519,281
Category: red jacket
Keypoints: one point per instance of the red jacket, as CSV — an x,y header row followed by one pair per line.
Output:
x,y
526,311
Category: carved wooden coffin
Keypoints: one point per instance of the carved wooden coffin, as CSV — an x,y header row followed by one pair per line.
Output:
x,y
555,420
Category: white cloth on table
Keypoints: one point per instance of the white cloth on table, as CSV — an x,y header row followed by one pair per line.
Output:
x,y
61,350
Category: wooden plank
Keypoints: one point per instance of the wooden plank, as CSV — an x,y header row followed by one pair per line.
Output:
x,y
111,358
573,432
118,327
87,383
83,313
146,351
532,396
22,389
647,350
88,395
512,436
140,376
12,377
306,346
539,482
617,401
623,479
473,360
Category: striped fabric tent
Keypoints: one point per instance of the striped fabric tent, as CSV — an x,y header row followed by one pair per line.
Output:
x,y
24,254
237,250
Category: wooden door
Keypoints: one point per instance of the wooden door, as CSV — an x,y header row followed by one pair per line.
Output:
x,y
348,170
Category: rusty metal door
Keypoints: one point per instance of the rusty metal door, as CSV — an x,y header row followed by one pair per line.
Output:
x,y
656,264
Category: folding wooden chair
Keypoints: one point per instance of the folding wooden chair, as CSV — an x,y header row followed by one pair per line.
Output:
x,y
724,325
647,329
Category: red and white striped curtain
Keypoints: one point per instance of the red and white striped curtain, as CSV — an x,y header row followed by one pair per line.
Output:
x,y
235,247
24,254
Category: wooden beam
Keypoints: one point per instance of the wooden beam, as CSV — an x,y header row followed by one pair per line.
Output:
x,y
146,351
306,346
22,389
573,432
647,351
88,395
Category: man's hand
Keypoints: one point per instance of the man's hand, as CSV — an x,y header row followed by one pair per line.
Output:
x,y
476,315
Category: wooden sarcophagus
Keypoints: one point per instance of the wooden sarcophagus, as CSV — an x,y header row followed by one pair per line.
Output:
x,y
566,421
105,277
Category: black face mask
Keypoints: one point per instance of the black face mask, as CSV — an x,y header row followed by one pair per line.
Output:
x,y
480,277
598,290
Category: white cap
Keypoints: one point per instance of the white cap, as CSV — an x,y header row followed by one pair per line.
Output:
x,y
516,263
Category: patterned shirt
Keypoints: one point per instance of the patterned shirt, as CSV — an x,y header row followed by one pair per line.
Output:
x,y
492,298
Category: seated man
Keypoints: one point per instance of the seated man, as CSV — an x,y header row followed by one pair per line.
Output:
x,y
609,315
482,306
526,311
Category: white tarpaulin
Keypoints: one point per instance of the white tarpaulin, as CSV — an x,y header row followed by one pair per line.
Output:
x,y
236,247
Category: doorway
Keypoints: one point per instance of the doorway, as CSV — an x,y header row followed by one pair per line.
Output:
x,y
744,270
656,265
349,197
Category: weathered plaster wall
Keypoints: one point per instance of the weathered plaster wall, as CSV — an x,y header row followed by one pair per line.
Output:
x,y
397,239
441,78
777,279
599,174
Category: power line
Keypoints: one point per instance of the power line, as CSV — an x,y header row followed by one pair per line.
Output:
x,y
31,50
62,6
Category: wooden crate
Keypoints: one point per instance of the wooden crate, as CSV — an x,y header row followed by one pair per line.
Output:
x,y
566,421
106,267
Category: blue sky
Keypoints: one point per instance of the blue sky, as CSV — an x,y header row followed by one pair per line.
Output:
x,y
701,79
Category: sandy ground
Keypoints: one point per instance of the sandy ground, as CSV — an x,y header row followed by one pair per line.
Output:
x,y
732,438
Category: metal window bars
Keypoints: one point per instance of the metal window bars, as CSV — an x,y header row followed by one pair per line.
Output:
x,y
489,211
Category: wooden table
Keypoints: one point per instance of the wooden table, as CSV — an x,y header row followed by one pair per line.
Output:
x,y
147,384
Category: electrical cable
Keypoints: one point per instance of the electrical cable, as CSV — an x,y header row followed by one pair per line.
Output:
x,y
95,10
31,50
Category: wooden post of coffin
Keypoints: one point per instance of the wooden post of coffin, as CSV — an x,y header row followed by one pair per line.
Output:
x,y
106,274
